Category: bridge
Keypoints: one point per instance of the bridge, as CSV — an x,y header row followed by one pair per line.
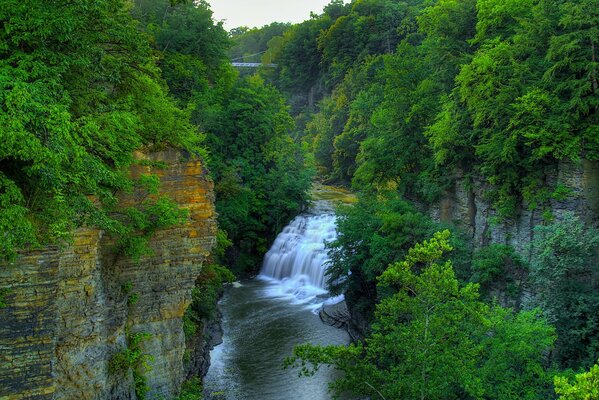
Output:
x,y
235,62
252,65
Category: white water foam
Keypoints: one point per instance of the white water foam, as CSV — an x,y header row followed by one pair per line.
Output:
x,y
296,263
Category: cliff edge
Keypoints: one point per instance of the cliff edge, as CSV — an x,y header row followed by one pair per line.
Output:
x,y
70,311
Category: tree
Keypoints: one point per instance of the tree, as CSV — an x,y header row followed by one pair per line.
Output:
x,y
261,179
371,235
249,44
574,74
434,339
300,43
584,387
500,272
563,271
370,28
79,93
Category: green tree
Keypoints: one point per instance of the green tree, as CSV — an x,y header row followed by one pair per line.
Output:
x,y
584,387
300,43
371,235
185,28
574,77
259,172
371,27
261,179
192,48
79,94
324,127
248,44
501,273
434,339
563,271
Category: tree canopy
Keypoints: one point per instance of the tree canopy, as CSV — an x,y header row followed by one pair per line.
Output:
x,y
433,338
80,92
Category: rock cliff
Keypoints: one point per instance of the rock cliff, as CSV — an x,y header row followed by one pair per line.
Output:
x,y
467,207
69,311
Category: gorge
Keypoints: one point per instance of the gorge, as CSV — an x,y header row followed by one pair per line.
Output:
x,y
264,318
143,177
71,310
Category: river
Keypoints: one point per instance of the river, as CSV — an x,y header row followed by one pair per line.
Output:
x,y
264,318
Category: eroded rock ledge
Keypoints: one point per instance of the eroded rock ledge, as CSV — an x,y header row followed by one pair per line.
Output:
x,y
68,311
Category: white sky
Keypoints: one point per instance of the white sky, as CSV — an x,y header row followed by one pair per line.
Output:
x,y
257,13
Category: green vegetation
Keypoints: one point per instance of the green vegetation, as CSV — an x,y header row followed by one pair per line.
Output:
x,y
261,179
373,233
434,339
407,102
132,299
260,173
132,357
378,231
419,94
80,93
563,270
99,81
399,100
499,270
191,390
208,289
205,295
584,387
250,44
3,293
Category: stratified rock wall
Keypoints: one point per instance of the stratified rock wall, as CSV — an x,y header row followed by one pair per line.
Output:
x,y
68,313
468,207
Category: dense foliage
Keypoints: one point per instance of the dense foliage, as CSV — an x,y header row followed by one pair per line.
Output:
x,y
261,179
80,92
259,171
404,100
249,45
564,271
584,387
423,93
85,85
435,339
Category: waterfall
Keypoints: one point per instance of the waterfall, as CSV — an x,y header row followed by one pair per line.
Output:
x,y
297,260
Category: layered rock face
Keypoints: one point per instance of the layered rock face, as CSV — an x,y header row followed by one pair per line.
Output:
x,y
68,312
468,208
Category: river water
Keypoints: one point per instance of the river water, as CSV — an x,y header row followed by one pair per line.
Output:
x,y
264,318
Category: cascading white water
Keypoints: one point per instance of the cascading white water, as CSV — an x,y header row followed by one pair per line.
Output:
x,y
297,260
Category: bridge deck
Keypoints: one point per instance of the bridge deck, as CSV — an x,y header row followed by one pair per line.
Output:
x,y
253,65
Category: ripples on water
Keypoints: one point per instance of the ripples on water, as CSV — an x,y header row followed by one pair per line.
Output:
x,y
260,332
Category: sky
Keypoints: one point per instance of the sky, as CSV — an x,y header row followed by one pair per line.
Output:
x,y
257,13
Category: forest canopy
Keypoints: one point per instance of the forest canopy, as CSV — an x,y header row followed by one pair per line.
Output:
x,y
87,84
410,103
